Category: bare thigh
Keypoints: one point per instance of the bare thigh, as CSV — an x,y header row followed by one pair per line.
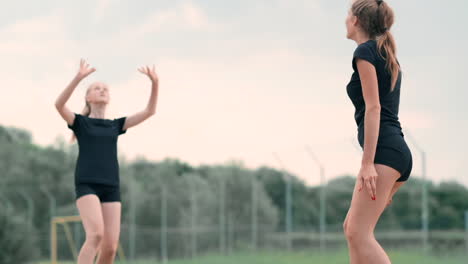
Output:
x,y
395,188
89,208
365,212
111,213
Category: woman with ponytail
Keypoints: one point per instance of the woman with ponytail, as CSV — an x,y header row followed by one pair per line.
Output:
x,y
97,182
374,90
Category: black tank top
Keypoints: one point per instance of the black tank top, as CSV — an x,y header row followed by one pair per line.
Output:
x,y
97,158
389,100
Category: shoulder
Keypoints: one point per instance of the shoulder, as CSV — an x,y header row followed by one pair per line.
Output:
x,y
365,51
80,117
76,120
120,122
119,119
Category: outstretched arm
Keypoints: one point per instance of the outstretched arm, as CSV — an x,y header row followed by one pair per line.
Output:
x,y
150,109
63,110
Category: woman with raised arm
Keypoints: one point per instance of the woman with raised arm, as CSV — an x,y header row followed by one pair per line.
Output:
x,y
97,182
374,90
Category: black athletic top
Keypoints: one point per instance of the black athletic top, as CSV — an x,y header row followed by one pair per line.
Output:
x,y
389,101
97,158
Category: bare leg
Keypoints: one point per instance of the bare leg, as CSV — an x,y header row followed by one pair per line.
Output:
x,y
111,212
89,208
363,216
395,188
353,257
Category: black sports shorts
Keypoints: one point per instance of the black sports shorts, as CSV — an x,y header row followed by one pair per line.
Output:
x,y
393,151
105,193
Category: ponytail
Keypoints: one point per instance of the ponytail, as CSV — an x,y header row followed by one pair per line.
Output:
x,y
85,112
376,18
387,43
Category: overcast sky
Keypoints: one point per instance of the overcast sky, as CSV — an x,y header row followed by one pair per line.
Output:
x,y
238,79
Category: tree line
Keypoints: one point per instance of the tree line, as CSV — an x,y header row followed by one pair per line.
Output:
x,y
222,192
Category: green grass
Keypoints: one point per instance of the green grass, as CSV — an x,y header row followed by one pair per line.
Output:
x,y
304,257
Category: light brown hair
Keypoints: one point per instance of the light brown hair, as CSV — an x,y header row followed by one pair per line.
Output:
x,y
86,112
376,18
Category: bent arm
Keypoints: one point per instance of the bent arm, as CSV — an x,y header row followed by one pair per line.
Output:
x,y
63,110
149,110
62,99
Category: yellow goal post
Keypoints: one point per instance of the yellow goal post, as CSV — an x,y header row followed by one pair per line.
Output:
x,y
64,221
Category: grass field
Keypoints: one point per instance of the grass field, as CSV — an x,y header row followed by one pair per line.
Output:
x,y
336,257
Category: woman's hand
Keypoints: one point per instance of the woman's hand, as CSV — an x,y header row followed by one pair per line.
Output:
x,y
137,118
150,72
368,177
84,70
66,113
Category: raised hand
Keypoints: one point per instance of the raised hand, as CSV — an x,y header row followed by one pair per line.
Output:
x,y
85,70
150,109
150,72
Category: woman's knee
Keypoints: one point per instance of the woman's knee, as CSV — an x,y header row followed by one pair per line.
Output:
x,y
349,233
353,233
94,237
109,249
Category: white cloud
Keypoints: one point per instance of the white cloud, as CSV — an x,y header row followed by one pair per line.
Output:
x,y
31,45
194,16
300,5
186,15
34,26
29,37
101,9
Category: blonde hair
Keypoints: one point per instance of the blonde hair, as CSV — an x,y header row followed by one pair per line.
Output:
x,y
376,18
85,112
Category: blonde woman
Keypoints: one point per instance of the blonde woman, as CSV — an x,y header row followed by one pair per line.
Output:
x,y
97,183
374,90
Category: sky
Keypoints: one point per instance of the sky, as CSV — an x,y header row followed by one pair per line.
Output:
x,y
239,80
